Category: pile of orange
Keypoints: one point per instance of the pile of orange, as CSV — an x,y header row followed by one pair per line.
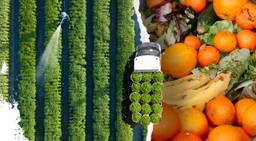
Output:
x,y
221,121
180,59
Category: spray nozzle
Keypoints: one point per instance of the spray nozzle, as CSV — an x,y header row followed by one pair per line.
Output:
x,y
64,16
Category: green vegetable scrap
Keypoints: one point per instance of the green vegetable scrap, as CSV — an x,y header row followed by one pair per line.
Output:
x,y
250,73
206,19
236,62
217,27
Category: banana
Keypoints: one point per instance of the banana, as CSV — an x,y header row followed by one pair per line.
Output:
x,y
197,97
193,81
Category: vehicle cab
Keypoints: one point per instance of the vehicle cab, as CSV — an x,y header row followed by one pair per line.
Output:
x,y
148,58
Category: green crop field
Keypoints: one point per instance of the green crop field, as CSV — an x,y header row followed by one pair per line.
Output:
x,y
54,103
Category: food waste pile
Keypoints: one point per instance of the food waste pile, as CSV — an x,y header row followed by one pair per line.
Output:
x,y
209,66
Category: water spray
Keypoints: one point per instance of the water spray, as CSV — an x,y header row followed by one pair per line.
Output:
x,y
64,17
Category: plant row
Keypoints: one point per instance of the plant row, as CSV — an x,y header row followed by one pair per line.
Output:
x,y
125,49
77,70
27,70
4,45
101,36
146,99
52,76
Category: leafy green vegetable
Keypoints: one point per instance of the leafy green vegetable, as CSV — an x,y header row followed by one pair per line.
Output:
x,y
136,87
158,77
156,98
134,97
157,87
236,62
135,107
156,108
146,109
136,117
145,98
145,120
250,73
146,77
215,28
136,77
146,87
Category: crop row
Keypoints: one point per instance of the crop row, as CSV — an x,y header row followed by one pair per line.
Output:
x,y
4,45
27,72
101,67
125,49
77,70
52,76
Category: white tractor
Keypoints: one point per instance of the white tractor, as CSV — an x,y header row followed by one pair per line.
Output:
x,y
148,58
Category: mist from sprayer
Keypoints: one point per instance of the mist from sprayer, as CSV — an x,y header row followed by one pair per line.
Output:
x,y
49,58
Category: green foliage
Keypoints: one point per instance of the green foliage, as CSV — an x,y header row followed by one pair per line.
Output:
x,y
136,77
101,36
4,45
156,108
155,118
134,97
135,107
145,120
125,49
156,98
158,77
146,77
77,70
145,98
136,87
52,76
146,87
136,117
157,87
27,54
146,109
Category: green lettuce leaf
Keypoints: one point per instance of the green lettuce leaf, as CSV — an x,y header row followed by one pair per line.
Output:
x,y
215,28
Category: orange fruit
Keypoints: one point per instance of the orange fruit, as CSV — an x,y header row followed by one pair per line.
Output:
x,y
179,60
246,39
169,125
193,41
220,110
154,3
225,41
248,120
208,55
227,9
196,5
241,106
186,136
245,136
195,121
246,17
225,133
